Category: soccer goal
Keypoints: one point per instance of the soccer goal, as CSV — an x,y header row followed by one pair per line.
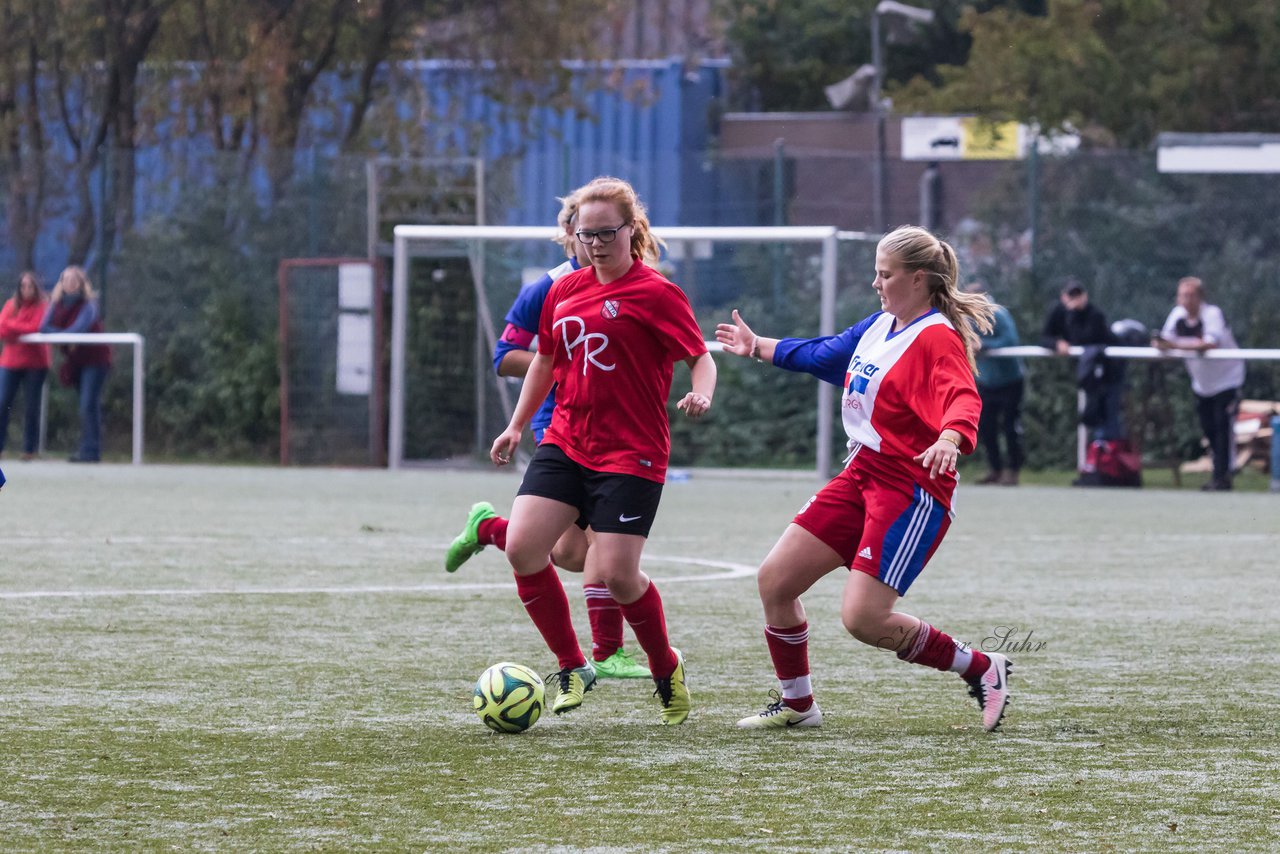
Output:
x,y
451,286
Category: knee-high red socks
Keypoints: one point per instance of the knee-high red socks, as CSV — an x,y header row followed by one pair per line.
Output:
x,y
650,625
940,651
543,597
605,616
789,649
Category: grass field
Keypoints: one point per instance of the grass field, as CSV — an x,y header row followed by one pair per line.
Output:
x,y
232,658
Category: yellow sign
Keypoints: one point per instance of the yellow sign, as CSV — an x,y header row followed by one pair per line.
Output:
x,y
991,140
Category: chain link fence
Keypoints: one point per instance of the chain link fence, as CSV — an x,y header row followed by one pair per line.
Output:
x,y
192,266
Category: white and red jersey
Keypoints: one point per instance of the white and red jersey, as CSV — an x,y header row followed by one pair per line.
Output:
x,y
613,349
902,388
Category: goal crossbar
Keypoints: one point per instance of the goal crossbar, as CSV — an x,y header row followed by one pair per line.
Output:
x,y
410,239
132,339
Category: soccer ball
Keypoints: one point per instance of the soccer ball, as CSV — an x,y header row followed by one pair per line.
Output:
x,y
508,697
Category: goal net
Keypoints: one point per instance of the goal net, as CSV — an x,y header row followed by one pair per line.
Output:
x,y
331,355
453,285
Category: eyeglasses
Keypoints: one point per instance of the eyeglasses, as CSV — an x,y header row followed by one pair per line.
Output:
x,y
605,235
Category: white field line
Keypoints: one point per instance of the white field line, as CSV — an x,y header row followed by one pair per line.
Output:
x,y
730,571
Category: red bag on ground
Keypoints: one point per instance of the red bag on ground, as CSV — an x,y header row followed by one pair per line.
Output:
x,y
1111,463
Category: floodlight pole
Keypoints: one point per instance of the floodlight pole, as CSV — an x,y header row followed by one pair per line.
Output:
x,y
880,197
879,200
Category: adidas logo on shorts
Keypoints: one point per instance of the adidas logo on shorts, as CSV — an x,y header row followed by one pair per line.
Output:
x,y
866,552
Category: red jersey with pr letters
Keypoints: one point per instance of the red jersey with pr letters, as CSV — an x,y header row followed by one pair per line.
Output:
x,y
613,350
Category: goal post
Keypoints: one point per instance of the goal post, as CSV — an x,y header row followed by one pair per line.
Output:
x,y
132,339
410,241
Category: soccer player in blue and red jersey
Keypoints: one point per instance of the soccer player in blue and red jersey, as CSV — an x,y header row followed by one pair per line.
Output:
x,y
910,407
608,337
511,358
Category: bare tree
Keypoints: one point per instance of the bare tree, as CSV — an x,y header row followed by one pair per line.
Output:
x,y
95,62
22,131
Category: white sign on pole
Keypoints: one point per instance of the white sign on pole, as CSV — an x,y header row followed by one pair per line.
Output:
x,y
970,138
355,353
1218,153
355,287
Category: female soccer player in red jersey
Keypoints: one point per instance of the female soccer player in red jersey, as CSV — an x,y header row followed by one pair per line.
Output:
x,y
910,407
511,357
609,336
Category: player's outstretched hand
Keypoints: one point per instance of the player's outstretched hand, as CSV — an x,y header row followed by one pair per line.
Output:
x,y
504,447
939,458
694,405
737,337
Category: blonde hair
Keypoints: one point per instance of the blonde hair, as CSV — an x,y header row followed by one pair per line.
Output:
x,y
916,248
564,219
75,273
644,244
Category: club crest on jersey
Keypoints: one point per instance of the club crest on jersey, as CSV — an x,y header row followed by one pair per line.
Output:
x,y
610,309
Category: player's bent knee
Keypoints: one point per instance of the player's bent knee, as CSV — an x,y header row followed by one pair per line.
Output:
x,y
863,629
774,585
570,560
525,558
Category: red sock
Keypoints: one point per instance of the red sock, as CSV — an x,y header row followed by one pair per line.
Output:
x,y
493,532
789,649
650,625
931,648
606,621
543,597
977,665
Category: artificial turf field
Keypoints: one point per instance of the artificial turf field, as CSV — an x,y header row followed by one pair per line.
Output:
x,y
204,658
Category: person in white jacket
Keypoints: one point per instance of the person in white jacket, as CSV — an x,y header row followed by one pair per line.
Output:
x,y
1196,325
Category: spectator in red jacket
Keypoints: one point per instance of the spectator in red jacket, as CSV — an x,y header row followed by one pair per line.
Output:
x,y
23,366
74,308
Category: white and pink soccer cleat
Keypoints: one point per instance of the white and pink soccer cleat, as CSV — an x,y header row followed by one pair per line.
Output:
x,y
991,690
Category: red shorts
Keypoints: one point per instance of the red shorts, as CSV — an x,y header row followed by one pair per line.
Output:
x,y
883,526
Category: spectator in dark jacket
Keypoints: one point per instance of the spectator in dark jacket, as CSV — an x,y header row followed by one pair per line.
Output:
x,y
1076,322
74,308
1000,385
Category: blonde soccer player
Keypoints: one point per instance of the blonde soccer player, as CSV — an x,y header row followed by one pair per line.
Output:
x,y
910,408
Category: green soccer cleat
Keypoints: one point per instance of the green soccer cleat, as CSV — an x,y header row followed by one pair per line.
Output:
x,y
778,715
572,683
673,693
621,665
467,544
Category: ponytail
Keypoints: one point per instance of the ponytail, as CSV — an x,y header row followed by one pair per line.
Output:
x,y
918,249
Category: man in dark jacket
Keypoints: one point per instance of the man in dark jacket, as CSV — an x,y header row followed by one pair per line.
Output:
x,y
1075,322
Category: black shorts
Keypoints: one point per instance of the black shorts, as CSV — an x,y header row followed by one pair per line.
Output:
x,y
610,503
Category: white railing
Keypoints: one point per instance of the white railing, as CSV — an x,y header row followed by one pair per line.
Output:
x,y
1134,353
1148,353
131,338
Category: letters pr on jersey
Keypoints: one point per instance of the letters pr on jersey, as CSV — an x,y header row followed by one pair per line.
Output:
x,y
613,348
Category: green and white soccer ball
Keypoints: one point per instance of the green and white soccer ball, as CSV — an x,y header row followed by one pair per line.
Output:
x,y
509,697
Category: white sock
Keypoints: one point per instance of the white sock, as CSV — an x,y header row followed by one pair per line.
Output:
x,y
798,688
964,656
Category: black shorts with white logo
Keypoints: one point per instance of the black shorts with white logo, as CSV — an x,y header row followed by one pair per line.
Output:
x,y
610,503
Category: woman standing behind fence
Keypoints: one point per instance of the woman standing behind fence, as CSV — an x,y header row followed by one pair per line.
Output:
x,y
74,308
23,366
910,407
